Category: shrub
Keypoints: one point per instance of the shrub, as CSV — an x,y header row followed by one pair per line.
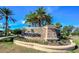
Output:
x,y
16,31
76,41
31,40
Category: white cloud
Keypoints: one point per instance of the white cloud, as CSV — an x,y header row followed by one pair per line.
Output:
x,y
1,24
23,21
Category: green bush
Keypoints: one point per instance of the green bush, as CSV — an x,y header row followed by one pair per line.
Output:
x,y
76,31
16,31
76,41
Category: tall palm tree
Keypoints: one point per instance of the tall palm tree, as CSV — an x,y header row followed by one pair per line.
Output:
x,y
48,19
58,25
6,13
43,17
39,17
31,18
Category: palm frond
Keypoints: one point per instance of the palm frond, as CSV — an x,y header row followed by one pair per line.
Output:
x,y
12,19
1,11
5,11
1,17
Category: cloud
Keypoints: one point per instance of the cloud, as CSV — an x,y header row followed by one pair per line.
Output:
x,y
1,24
19,22
23,21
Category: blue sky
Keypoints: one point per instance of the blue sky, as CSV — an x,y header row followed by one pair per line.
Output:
x,y
66,15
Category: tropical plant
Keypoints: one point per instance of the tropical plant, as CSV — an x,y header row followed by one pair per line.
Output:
x,y
43,17
16,31
58,29
39,17
58,25
76,31
66,31
6,13
31,18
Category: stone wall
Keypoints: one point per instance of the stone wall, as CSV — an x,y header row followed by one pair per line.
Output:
x,y
47,32
50,33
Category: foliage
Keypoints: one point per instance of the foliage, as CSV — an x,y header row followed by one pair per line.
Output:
x,y
63,32
58,25
58,29
38,18
6,13
66,31
31,40
16,31
76,31
76,41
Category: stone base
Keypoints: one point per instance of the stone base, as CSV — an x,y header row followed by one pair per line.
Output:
x,y
46,48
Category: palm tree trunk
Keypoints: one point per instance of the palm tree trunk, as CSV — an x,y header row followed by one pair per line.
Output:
x,y
6,26
31,24
35,24
39,23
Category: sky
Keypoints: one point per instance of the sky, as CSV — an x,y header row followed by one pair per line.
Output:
x,y
66,15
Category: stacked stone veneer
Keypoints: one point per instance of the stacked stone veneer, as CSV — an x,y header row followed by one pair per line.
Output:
x,y
50,33
47,32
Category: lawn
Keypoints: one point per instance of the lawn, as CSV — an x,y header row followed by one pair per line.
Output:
x,y
9,47
76,40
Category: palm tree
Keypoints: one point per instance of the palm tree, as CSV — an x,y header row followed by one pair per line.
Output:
x,y
39,17
43,17
31,18
58,29
6,13
58,25
48,19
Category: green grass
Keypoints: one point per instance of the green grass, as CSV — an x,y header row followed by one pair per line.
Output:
x,y
7,44
10,47
76,41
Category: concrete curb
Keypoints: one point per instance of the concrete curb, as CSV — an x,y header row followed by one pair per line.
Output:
x,y
1,38
46,48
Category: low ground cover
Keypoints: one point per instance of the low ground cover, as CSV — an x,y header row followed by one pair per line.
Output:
x,y
55,43
76,41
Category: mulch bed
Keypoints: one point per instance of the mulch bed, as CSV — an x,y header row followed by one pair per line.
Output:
x,y
54,43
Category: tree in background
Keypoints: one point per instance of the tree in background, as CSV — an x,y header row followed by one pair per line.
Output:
x,y
76,31
17,31
58,26
6,13
63,32
66,31
31,19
